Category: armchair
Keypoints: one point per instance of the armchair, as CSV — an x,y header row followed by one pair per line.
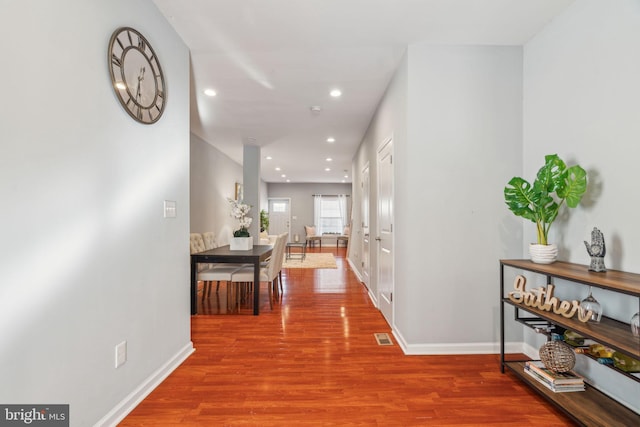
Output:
x,y
311,236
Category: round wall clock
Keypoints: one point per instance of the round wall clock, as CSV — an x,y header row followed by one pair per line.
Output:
x,y
136,75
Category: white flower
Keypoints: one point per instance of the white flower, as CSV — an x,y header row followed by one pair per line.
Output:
x,y
240,211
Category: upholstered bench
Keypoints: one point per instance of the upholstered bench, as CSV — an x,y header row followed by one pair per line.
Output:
x,y
311,236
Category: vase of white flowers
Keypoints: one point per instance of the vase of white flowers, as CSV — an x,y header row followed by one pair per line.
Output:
x,y
241,240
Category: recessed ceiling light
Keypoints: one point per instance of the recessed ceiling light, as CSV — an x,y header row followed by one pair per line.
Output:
x,y
329,159
210,92
288,180
283,175
327,169
277,168
331,139
346,176
269,158
315,108
343,181
336,93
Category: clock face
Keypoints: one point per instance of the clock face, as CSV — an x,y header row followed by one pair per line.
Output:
x,y
136,75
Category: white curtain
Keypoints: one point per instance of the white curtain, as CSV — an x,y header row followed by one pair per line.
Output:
x,y
343,203
317,203
331,213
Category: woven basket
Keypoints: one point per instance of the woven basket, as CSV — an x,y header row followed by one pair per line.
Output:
x,y
557,356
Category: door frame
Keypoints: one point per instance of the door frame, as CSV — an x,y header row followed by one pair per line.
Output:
x,y
288,199
365,243
385,304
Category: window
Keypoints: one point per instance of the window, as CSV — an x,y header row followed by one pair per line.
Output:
x,y
330,214
330,218
278,207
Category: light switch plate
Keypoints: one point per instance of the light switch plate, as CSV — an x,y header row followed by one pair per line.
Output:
x,y
121,354
169,209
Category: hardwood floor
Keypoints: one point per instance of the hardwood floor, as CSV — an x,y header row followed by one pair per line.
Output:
x,y
314,361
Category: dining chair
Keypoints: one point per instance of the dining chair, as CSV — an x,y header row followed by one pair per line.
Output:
x,y
196,243
282,256
208,273
209,238
279,256
268,273
218,273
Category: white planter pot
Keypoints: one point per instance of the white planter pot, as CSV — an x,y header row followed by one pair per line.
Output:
x,y
543,254
241,243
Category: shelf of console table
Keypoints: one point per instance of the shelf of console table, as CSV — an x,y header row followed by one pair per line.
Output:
x,y
616,334
589,408
615,280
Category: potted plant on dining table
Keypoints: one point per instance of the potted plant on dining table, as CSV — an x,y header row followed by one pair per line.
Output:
x,y
241,240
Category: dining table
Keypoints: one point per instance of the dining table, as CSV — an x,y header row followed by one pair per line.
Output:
x,y
223,254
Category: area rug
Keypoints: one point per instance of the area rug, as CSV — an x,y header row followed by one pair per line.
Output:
x,y
322,260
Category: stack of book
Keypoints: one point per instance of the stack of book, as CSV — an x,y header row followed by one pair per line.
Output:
x,y
557,382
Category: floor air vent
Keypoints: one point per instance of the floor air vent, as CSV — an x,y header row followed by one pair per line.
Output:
x,y
383,339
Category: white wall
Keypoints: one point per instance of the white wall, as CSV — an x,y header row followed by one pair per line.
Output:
x,y
88,259
464,115
213,179
455,115
581,92
389,121
581,100
302,200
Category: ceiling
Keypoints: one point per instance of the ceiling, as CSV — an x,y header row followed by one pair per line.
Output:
x,y
271,61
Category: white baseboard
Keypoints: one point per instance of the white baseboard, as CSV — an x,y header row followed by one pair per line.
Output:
x,y
457,348
359,276
355,270
373,299
117,414
531,352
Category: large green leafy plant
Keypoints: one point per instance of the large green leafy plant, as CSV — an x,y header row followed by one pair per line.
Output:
x,y
555,184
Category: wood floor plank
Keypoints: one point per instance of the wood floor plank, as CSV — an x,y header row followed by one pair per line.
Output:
x,y
313,360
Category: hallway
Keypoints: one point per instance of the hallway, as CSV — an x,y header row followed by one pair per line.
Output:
x,y
314,361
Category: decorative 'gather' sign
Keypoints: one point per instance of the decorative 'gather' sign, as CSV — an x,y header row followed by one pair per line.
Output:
x,y
543,299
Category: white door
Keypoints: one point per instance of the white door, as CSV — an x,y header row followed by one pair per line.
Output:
x,y
280,216
384,235
365,226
